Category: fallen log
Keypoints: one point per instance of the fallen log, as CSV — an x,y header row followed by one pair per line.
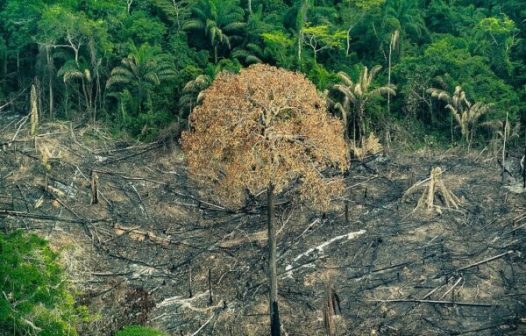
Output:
x,y
470,304
11,213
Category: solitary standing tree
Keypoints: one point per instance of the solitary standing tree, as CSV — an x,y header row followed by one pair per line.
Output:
x,y
265,129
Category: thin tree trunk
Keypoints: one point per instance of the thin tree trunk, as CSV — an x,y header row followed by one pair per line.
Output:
x,y
504,148
523,164
451,127
362,123
4,72
250,7
18,78
300,43
66,101
50,82
275,324
354,128
215,54
389,80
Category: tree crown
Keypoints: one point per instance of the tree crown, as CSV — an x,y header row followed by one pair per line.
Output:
x,y
264,126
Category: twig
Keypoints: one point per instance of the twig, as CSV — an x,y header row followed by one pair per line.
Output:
x,y
22,123
108,151
119,174
431,292
452,287
157,145
204,325
14,99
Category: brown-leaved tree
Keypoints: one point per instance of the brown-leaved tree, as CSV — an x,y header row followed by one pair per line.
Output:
x,y
265,129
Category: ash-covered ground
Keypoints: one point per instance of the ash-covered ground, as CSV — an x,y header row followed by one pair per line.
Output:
x,y
157,250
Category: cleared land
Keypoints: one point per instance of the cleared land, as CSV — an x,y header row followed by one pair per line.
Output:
x,y
154,245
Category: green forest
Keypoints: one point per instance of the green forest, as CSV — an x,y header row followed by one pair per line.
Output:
x,y
138,66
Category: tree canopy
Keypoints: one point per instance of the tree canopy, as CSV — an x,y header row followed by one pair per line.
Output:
x,y
264,126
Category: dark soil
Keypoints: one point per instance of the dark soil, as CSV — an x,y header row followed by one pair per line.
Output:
x,y
153,245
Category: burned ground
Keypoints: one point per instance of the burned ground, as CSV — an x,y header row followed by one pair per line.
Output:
x,y
154,245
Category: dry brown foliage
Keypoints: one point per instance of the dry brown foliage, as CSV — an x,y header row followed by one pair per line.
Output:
x,y
370,145
264,126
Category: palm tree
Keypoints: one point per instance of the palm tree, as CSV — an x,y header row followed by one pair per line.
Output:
x,y
191,93
356,95
144,69
252,53
221,21
73,72
407,17
465,113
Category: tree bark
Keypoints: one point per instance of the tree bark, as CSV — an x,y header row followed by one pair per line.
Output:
x,y
275,324
49,59
215,54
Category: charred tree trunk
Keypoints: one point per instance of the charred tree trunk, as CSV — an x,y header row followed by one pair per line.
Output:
x,y
94,188
275,324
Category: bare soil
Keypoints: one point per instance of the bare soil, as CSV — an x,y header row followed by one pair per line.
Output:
x,y
155,244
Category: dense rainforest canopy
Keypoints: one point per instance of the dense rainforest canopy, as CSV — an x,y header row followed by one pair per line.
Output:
x,y
139,65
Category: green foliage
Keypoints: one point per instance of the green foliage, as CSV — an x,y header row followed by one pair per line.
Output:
x,y
137,77
366,5
494,39
141,28
34,296
74,47
221,21
139,331
279,45
322,37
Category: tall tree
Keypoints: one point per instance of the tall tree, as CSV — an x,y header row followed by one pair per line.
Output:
x,y
395,36
465,114
144,69
321,37
263,130
221,21
359,93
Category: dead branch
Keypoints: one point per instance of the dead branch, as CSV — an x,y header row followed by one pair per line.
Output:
x,y
469,304
452,287
154,146
485,261
204,325
10,213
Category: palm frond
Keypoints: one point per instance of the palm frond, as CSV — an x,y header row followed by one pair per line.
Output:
x,y
347,80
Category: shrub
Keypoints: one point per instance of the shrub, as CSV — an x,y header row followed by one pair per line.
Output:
x,y
34,296
139,331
